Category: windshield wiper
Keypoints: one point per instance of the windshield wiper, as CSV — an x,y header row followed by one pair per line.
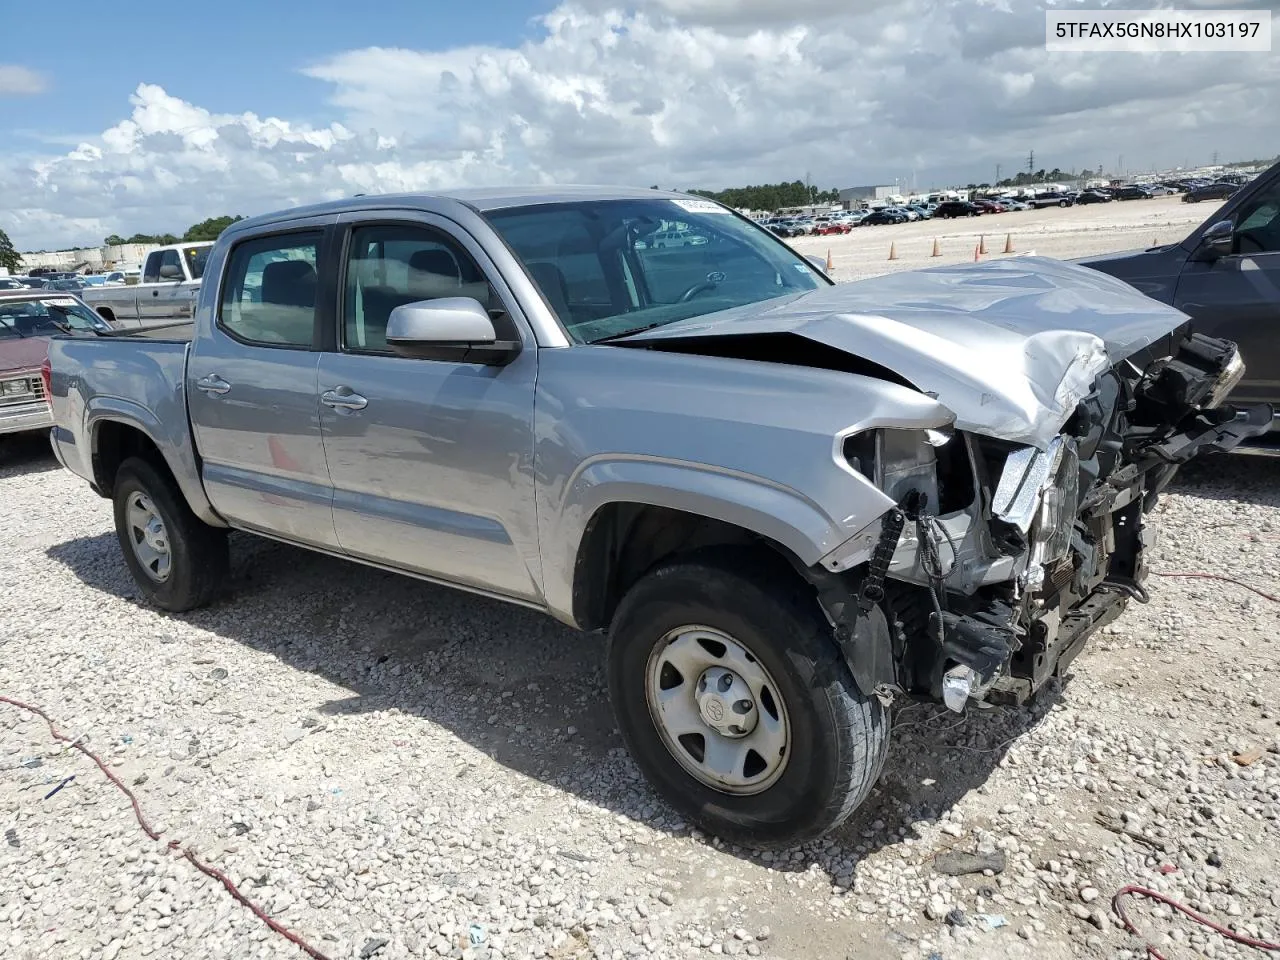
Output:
x,y
631,332
13,326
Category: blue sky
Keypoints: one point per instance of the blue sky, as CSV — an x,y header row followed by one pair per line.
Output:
x,y
234,55
112,123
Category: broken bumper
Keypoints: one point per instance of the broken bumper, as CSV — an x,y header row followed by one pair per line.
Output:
x,y
1001,560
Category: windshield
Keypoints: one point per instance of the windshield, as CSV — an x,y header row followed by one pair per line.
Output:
x,y
47,317
197,257
611,267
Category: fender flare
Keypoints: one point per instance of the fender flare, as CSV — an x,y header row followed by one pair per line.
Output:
x,y
177,452
775,512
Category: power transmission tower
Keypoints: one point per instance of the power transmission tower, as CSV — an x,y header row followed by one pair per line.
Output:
x,y
1031,162
997,173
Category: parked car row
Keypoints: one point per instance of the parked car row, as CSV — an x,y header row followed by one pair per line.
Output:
x,y
62,280
979,205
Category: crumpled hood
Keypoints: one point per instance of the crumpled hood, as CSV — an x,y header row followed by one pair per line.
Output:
x,y
1010,346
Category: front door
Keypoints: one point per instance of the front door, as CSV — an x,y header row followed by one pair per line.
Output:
x,y
252,390
1237,297
431,461
156,304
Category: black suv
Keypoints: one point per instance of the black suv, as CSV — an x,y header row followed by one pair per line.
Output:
x,y
1226,276
1213,191
956,208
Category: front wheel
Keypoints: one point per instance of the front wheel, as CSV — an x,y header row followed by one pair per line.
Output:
x,y
734,701
178,561
1063,203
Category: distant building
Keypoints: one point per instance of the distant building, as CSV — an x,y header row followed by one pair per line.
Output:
x,y
851,197
90,259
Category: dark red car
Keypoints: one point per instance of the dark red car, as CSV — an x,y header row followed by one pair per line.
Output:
x,y
28,318
824,228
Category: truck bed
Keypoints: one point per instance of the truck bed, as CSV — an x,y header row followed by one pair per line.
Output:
x,y
177,332
134,380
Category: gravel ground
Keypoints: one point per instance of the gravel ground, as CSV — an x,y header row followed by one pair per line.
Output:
x,y
373,759
395,770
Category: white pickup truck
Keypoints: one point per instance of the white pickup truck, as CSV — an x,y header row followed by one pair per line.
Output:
x,y
168,291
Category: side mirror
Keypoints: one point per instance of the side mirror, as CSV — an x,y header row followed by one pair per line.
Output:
x,y
457,329
170,272
818,263
1217,241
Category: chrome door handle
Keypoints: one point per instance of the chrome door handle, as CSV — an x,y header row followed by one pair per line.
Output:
x,y
213,384
344,400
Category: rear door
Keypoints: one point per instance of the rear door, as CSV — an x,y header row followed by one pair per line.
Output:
x,y
251,386
431,460
1238,296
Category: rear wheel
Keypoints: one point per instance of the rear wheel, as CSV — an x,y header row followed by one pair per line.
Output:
x,y
178,561
733,699
1063,203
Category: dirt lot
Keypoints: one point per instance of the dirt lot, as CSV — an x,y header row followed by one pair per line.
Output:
x,y
1053,232
395,770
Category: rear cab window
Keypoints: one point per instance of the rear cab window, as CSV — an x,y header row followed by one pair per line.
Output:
x,y
269,292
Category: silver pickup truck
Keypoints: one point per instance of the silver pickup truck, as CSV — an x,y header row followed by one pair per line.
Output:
x,y
167,294
787,502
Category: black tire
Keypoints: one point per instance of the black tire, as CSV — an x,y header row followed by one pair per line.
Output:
x,y
839,738
198,554
1064,203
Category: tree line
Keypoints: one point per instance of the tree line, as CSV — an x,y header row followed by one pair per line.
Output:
x,y
771,196
204,230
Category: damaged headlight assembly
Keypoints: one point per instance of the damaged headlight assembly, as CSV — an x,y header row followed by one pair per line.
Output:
x,y
935,538
1040,489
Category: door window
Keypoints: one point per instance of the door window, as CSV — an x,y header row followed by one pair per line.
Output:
x,y
390,265
269,296
169,259
151,273
1259,223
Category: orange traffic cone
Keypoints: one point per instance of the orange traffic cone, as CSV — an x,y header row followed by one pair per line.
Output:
x,y
1008,243
893,252
936,251
976,250
982,243
830,263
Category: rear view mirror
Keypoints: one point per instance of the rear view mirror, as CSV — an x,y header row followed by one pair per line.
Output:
x,y
818,264
1218,240
449,328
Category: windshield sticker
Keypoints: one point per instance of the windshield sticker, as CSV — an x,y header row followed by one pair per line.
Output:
x,y
802,268
700,206
58,302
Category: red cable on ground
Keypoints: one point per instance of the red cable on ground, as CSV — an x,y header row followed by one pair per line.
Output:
x,y
1219,576
1155,954
151,832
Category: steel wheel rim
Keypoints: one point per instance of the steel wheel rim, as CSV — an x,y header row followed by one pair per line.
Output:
x,y
148,536
717,710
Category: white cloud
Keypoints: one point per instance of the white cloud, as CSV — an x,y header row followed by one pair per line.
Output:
x,y
19,81
681,93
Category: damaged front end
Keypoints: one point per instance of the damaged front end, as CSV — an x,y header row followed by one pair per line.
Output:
x,y
1001,559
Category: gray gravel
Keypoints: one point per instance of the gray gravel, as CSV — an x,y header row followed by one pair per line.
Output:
x,y
395,770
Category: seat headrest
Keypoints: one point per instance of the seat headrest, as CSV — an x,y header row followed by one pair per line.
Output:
x,y
290,283
435,261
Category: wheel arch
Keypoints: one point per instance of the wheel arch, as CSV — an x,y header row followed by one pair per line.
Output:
x,y
118,430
